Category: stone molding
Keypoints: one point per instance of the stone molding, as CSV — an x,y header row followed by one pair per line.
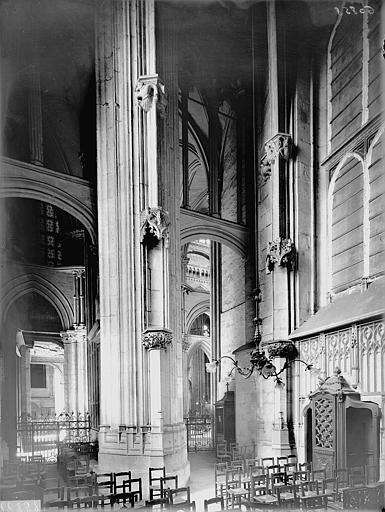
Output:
x,y
279,146
150,90
154,220
285,349
153,338
74,336
282,252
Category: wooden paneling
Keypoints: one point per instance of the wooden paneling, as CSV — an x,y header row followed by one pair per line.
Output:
x,y
346,79
377,210
347,225
376,64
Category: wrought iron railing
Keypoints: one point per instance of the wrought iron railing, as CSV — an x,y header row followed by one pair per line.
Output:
x,y
200,433
45,434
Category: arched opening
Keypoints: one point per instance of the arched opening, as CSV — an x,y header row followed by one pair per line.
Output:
x,y
48,302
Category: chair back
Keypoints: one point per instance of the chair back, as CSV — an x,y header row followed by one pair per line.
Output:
x,y
119,479
213,501
179,495
258,482
281,461
267,461
309,486
301,476
104,481
155,474
318,474
128,484
165,483
274,468
277,479
157,503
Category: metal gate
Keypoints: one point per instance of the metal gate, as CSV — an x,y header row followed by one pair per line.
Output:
x,y
43,436
200,433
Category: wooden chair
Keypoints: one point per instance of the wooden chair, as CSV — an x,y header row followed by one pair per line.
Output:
x,y
267,461
276,480
73,493
289,469
287,496
222,453
234,488
281,461
179,495
257,482
330,488
262,498
220,469
165,482
292,459
119,479
218,501
319,475
274,468
158,503
319,501
94,501
104,481
301,476
154,476
127,486
308,488
305,466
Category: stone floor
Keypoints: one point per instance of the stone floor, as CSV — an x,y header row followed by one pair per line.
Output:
x,y
202,477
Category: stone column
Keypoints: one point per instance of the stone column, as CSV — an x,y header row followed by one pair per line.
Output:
x,y
25,381
75,370
280,250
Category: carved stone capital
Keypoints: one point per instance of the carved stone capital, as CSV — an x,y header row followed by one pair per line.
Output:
x,y
285,349
149,91
282,252
154,221
279,146
156,338
74,336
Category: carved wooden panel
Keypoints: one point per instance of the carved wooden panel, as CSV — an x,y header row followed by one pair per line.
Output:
x,y
324,423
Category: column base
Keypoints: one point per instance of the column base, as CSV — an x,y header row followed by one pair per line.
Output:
x,y
136,449
280,442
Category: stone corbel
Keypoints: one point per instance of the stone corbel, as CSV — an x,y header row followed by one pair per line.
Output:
x,y
150,90
282,252
279,146
153,338
284,349
265,169
155,220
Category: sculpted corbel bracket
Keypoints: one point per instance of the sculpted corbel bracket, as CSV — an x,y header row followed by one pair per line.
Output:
x,y
282,252
149,91
284,349
279,146
154,220
153,338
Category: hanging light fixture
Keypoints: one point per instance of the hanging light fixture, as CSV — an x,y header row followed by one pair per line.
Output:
x,y
263,364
